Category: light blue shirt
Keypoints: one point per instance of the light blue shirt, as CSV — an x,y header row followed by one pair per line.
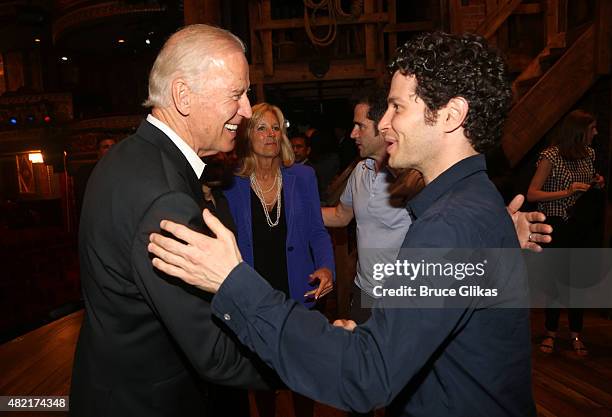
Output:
x,y
380,225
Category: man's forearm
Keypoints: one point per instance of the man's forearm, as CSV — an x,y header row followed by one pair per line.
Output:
x,y
333,217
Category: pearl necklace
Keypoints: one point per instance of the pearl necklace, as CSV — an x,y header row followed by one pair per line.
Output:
x,y
260,194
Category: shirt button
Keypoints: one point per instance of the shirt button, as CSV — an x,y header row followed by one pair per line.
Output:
x,y
227,317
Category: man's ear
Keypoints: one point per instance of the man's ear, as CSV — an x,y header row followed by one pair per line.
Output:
x,y
181,96
454,113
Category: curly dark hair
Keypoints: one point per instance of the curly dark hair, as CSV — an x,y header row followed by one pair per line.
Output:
x,y
446,66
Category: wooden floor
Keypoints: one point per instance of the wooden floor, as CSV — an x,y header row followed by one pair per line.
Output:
x,y
39,363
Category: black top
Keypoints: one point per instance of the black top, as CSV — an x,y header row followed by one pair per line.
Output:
x,y
269,245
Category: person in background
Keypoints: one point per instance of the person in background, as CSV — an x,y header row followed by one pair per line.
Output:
x,y
104,145
301,149
564,172
275,205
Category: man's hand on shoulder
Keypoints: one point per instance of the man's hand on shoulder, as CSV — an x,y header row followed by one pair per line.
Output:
x,y
530,229
202,261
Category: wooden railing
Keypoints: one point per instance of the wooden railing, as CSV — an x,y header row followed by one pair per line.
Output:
x,y
496,17
543,106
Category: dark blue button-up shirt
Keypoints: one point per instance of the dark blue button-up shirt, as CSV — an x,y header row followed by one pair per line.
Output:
x,y
470,361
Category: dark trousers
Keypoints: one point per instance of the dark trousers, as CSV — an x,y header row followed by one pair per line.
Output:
x,y
361,305
573,314
563,237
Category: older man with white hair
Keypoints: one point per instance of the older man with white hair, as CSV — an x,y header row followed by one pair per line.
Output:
x,y
146,340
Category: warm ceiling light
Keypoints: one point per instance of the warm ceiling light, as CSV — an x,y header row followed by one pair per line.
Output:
x,y
36,158
37,40
148,41
121,41
64,58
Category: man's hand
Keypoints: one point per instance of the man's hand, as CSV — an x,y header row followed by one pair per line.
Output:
x,y
326,283
598,181
204,261
529,227
345,324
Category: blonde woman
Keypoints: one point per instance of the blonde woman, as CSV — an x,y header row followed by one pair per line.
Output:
x,y
279,228
275,205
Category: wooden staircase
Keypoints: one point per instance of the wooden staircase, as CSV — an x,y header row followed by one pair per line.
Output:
x,y
546,90
575,51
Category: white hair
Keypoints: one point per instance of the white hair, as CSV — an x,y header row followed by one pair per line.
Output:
x,y
188,53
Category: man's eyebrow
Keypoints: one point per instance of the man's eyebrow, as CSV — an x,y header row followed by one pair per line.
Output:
x,y
398,100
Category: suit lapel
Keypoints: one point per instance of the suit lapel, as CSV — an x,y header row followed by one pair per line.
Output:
x,y
158,138
245,197
288,198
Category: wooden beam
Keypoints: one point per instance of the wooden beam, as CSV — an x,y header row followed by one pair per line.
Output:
x,y
435,14
529,8
254,18
552,21
380,44
392,37
278,24
370,37
298,72
603,36
491,23
542,106
202,11
563,15
260,93
491,7
266,39
409,27
444,9
456,24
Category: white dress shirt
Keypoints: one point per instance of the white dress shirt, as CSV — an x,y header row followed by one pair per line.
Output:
x,y
194,160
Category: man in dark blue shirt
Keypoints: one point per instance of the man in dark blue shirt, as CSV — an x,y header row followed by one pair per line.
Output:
x,y
447,103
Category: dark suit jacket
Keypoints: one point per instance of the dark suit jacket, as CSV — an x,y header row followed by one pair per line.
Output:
x,y
146,338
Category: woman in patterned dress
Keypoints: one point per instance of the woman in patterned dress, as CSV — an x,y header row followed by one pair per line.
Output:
x,y
564,172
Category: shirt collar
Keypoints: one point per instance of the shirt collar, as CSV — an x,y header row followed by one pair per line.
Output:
x,y
443,183
194,160
370,164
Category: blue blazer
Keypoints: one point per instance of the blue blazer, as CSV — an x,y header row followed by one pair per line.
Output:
x,y
308,243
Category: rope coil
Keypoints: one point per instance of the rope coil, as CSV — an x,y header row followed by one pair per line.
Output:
x,y
334,9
